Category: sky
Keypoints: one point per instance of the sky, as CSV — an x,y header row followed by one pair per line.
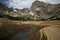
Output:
x,y
51,1
20,4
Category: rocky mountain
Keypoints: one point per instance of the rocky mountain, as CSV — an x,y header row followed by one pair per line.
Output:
x,y
38,11
3,9
45,10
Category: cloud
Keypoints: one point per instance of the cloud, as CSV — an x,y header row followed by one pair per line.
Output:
x,y
51,1
4,2
20,4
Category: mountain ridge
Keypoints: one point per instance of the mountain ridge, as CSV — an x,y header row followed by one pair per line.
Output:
x,y
38,11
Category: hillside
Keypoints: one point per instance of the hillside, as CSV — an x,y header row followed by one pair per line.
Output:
x,y
45,10
38,11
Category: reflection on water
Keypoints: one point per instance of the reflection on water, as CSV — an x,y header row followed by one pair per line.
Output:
x,y
22,35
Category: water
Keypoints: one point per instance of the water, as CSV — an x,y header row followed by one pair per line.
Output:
x,y
23,35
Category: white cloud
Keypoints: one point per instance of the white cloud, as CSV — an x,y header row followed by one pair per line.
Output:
x,y
25,3
51,1
20,3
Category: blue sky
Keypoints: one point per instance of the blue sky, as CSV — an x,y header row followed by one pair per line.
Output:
x,y
20,4
4,2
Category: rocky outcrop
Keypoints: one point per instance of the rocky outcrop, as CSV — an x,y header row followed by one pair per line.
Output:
x,y
3,9
45,10
38,11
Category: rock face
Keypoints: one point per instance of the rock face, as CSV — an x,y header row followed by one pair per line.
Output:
x,y
45,10
3,9
38,11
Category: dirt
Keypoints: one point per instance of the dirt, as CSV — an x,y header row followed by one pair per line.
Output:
x,y
29,30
